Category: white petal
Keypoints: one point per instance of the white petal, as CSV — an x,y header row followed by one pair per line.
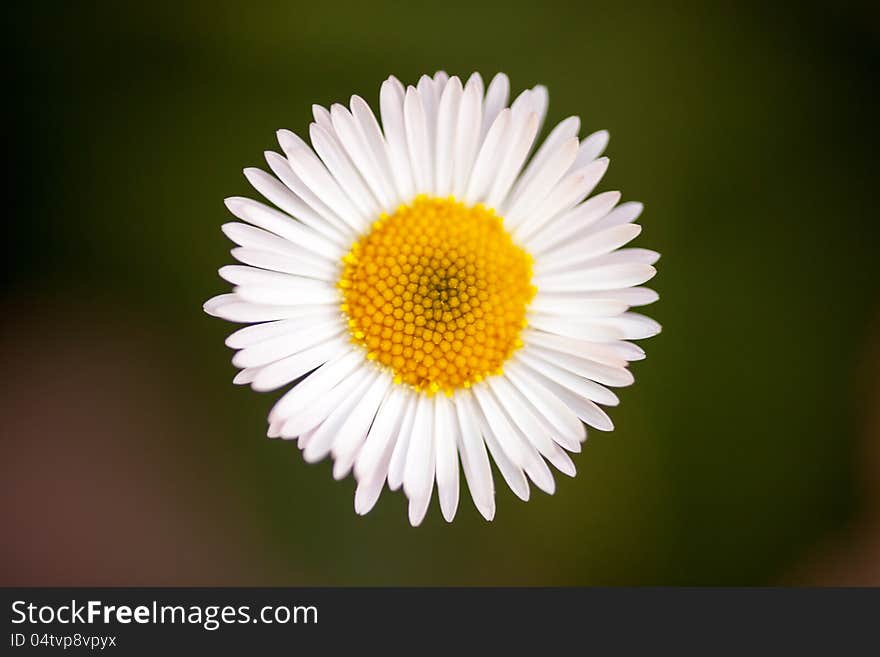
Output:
x,y
476,81
289,369
627,350
496,100
561,461
309,168
487,159
521,137
367,494
401,446
330,429
562,132
354,430
592,147
595,244
302,441
418,475
246,312
418,507
430,101
246,375
322,117
467,136
600,353
276,222
626,257
569,431
261,240
622,214
634,326
374,458
511,472
214,304
501,426
359,134
318,383
582,329
571,190
578,385
441,78
446,456
279,194
447,119
281,168
631,296
307,420
297,265
376,146
583,407
540,102
604,374
605,277
391,106
534,465
382,436
520,206
263,277
575,222
474,459
287,344
522,104
539,473
276,294
340,166
418,141
576,305
519,410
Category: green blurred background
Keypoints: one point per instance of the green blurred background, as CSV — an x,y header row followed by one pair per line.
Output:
x,y
746,453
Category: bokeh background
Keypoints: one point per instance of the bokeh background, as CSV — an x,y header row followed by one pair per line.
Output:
x,y
748,452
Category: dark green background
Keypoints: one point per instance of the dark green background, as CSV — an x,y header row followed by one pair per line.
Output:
x,y
745,445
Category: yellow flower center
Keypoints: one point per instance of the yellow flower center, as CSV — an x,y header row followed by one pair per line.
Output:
x,y
437,291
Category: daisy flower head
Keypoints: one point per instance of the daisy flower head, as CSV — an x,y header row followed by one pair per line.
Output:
x,y
439,291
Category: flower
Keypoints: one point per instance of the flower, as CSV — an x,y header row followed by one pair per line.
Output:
x,y
436,293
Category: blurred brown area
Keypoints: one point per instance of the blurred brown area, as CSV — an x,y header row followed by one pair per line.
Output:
x,y
851,557
94,489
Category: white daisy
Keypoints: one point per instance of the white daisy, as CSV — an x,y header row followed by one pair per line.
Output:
x,y
437,293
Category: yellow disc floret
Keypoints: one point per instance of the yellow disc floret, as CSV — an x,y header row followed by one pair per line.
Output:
x,y
437,292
